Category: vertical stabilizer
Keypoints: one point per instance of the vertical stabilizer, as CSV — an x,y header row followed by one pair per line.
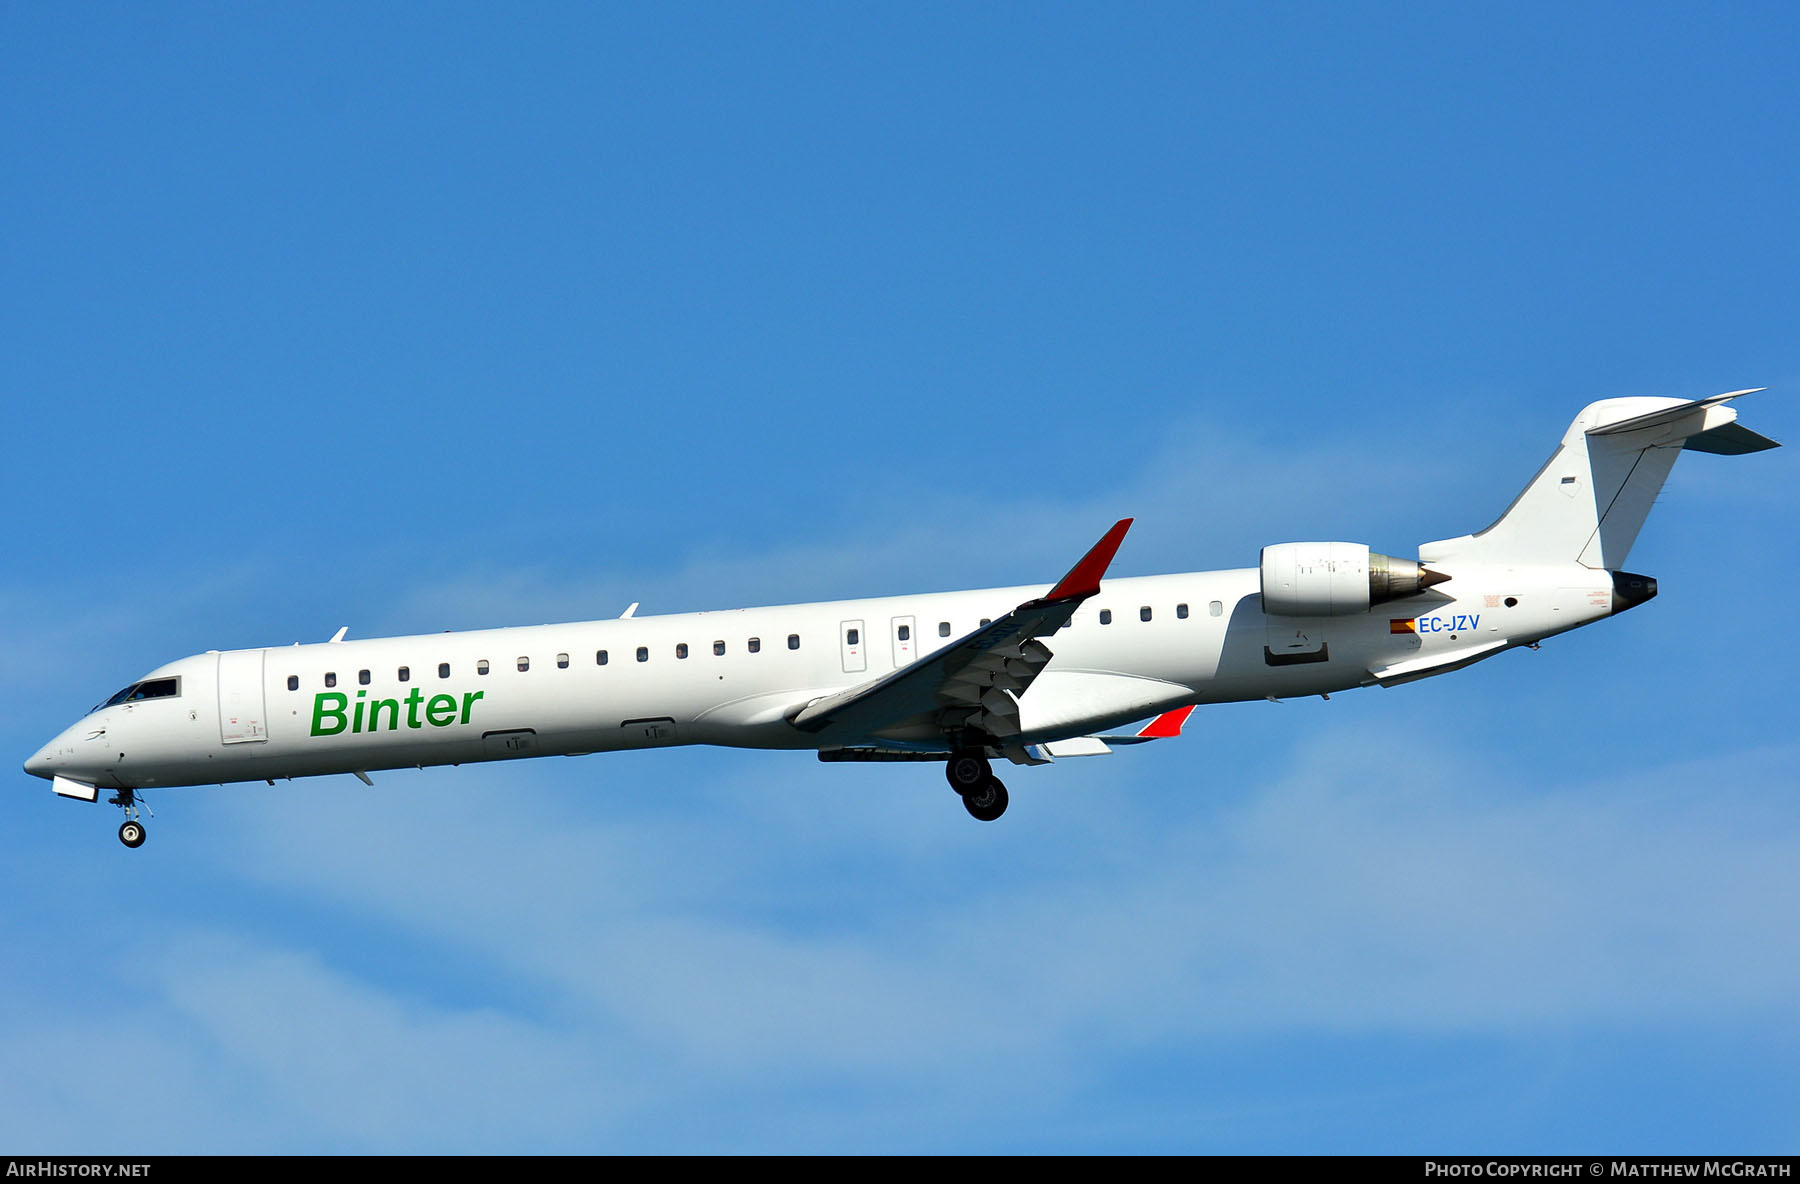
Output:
x,y
1588,502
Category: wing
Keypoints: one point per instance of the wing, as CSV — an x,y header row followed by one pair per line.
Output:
x,y
972,684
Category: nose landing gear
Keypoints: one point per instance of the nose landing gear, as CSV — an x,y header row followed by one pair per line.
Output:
x,y
969,774
131,831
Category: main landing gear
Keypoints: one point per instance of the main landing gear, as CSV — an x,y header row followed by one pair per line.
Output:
x,y
982,794
131,831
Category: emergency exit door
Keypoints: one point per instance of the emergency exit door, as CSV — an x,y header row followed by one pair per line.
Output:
x,y
854,646
906,642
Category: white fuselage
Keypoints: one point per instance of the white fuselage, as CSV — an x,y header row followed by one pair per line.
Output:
x,y
451,698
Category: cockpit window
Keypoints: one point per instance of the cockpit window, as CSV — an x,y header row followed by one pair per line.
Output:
x,y
153,688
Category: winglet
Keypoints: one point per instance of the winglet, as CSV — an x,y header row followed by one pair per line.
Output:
x,y
1083,579
1168,725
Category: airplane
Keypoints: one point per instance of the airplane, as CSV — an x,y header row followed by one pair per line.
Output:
x,y
1025,675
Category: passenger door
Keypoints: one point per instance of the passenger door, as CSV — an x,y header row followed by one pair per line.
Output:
x,y
241,717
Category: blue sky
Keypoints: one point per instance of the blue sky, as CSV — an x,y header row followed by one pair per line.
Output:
x,y
424,317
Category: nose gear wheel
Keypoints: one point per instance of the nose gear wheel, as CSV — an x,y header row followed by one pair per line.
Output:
x,y
131,831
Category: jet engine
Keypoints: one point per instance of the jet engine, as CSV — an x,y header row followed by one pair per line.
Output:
x,y
1336,579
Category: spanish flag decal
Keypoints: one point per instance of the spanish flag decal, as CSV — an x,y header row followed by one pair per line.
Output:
x,y
1402,626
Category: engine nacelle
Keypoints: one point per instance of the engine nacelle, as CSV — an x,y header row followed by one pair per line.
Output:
x,y
1336,579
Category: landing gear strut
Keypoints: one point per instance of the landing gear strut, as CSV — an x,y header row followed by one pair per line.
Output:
x,y
131,831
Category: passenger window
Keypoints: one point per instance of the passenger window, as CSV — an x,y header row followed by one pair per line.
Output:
x,y
1106,616
562,661
943,628
481,667
718,649
853,637
1215,608
293,682
599,657
1181,612
362,676
1144,613
986,621
443,670
906,633
331,679
524,663
793,641
756,645
681,649
643,654
406,674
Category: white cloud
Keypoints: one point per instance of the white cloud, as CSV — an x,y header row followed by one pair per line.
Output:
x,y
576,954
1205,495
603,944
1475,901
362,1066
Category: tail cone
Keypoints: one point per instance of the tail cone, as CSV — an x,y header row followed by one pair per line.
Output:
x,y
1630,590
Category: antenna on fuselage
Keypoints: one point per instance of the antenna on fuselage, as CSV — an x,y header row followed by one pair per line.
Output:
x,y
339,635
626,615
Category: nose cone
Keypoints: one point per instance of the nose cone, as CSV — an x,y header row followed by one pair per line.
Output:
x,y
40,765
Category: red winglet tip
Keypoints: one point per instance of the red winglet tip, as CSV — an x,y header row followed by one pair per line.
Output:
x,y
1083,579
1168,725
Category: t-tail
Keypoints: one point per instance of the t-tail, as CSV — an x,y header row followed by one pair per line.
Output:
x,y
1588,502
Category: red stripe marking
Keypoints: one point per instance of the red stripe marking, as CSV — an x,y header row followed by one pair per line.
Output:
x,y
1168,725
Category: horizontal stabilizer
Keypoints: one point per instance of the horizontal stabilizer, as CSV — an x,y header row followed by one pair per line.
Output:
x,y
1668,414
1731,439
